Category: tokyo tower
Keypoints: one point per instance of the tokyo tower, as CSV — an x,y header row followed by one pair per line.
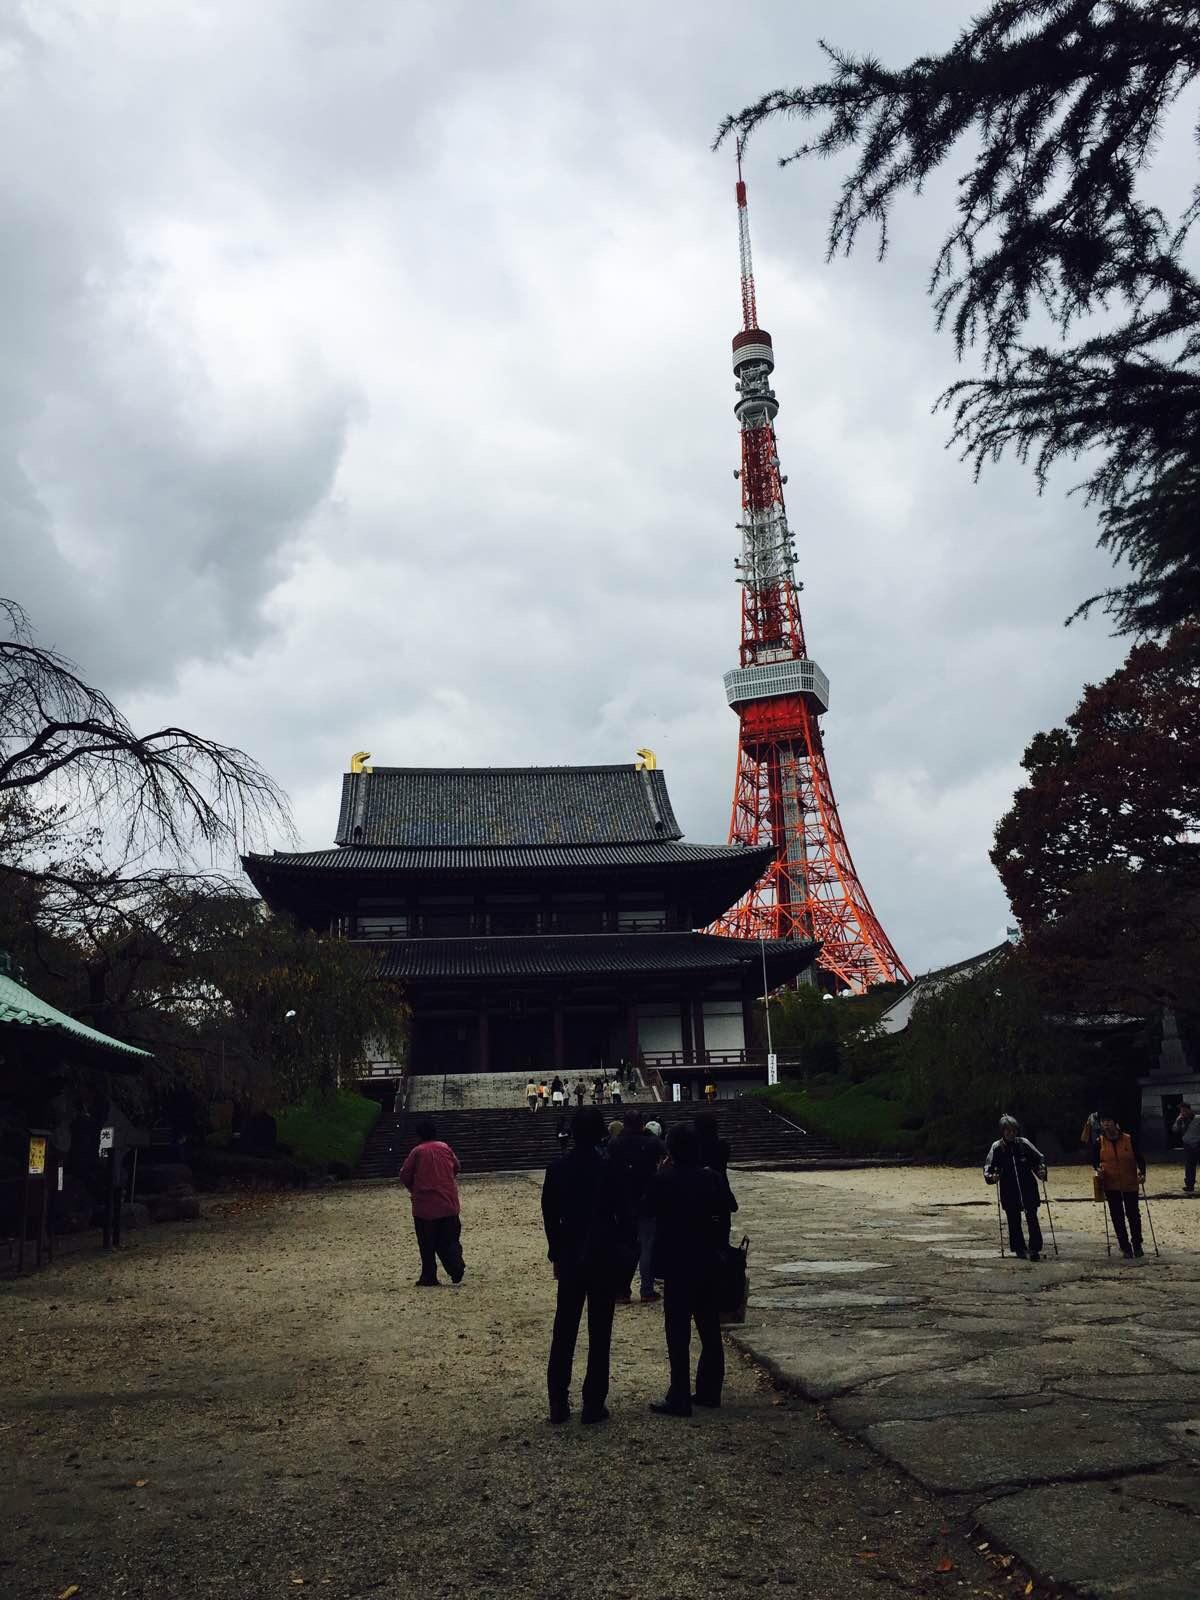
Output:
x,y
782,793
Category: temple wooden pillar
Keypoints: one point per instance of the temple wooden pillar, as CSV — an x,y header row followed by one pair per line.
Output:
x,y
698,1026
685,1029
560,1037
485,1054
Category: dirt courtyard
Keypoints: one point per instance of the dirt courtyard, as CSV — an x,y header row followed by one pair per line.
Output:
x,y
261,1403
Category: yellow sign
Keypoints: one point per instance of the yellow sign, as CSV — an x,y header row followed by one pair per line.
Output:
x,y
37,1157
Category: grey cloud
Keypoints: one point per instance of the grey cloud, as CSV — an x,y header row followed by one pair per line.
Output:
x,y
370,389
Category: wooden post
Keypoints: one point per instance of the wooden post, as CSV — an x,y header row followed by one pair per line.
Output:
x,y
698,1026
560,1036
685,1025
484,1048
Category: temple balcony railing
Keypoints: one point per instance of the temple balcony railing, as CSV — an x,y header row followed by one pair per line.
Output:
x,y
747,1061
485,925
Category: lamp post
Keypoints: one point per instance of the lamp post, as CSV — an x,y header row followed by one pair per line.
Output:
x,y
772,1059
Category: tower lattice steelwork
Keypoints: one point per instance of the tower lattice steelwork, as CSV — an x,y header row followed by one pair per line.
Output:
x,y
782,791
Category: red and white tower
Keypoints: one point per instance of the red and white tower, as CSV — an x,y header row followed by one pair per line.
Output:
x,y
782,793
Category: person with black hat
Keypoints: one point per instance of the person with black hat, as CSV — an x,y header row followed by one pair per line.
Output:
x,y
1016,1165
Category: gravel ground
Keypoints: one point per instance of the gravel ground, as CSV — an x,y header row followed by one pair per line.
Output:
x,y
1176,1215
261,1402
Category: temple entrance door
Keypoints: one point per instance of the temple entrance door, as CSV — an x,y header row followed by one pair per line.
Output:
x,y
588,1040
442,1044
521,1044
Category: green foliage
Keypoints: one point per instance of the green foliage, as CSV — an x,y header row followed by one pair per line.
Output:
x,y
827,1032
986,1043
1059,105
861,1119
991,1043
1099,852
331,1127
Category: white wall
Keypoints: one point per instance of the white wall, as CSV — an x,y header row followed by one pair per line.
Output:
x,y
660,1028
724,1028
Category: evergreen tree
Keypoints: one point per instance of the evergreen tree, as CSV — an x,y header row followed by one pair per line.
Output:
x,y
1063,103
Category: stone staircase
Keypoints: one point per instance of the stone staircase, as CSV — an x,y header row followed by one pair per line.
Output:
x,y
497,1140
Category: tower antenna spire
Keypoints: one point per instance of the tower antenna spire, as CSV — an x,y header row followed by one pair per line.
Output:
x,y
782,792
749,308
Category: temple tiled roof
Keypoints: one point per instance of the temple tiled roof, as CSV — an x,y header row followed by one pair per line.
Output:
x,y
568,955
21,1008
462,807
521,858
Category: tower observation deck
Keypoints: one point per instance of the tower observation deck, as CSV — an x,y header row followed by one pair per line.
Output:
x,y
782,790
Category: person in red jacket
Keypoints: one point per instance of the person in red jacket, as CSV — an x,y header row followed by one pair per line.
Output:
x,y
428,1174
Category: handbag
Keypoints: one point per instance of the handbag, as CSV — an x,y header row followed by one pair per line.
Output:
x,y
733,1280
1097,1187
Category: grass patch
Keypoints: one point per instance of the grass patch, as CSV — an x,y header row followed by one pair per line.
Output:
x,y
872,1118
328,1128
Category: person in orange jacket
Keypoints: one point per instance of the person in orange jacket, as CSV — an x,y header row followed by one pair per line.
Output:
x,y
1121,1167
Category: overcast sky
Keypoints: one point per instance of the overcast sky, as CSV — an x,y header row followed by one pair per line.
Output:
x,y
367,386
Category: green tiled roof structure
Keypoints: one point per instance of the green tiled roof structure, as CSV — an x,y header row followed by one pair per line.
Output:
x,y
491,806
20,1008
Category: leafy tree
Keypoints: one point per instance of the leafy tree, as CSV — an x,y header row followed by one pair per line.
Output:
x,y
67,755
1062,103
101,909
826,1032
1100,853
990,1043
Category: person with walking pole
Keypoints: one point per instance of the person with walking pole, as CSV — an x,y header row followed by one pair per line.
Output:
x,y
1016,1165
1121,1167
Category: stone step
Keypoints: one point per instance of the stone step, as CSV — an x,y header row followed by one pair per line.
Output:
x,y
500,1140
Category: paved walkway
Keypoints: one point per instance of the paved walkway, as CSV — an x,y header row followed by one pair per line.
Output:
x,y
1059,1402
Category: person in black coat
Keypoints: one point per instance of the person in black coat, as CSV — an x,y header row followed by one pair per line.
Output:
x,y
637,1156
592,1246
714,1154
691,1222
1016,1165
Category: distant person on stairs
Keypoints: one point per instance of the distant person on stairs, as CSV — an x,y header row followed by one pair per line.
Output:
x,y
429,1173
580,1092
531,1095
590,1243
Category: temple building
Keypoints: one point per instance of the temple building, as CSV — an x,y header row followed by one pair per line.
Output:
x,y
541,918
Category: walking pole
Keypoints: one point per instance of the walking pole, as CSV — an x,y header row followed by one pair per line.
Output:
x,y
999,1223
1104,1213
1050,1216
1150,1219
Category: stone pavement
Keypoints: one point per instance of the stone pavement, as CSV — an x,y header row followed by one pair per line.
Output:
x,y
1060,1401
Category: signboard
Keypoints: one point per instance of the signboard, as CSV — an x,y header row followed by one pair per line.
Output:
x,y
106,1139
37,1156
60,1179
676,1092
772,1069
